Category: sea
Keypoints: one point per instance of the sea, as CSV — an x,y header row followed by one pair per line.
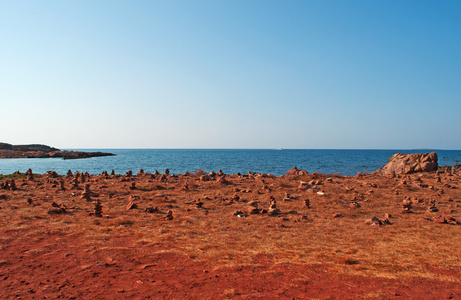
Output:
x,y
230,161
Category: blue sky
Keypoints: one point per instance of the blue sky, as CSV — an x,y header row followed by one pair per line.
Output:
x,y
231,74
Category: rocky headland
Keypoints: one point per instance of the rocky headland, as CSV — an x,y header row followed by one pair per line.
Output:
x,y
43,151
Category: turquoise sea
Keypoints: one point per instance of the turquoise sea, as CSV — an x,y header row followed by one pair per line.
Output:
x,y
231,161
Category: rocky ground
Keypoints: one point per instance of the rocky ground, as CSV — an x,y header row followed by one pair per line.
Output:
x,y
217,236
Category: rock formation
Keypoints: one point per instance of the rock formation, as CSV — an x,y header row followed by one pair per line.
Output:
x,y
409,163
43,151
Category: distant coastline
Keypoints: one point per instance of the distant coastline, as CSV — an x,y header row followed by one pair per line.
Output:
x,y
44,151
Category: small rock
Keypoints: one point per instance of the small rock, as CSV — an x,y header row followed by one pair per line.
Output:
x,y
169,214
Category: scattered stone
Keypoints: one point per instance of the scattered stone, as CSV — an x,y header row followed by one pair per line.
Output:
x,y
239,214
303,218
303,185
296,172
253,203
433,209
445,219
235,198
151,209
131,205
374,221
52,174
307,203
354,205
337,215
254,211
55,211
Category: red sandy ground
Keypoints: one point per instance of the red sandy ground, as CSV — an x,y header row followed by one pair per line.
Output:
x,y
211,254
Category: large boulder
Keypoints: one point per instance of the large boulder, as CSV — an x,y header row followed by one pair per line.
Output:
x,y
410,163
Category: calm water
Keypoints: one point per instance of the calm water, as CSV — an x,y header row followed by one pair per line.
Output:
x,y
277,162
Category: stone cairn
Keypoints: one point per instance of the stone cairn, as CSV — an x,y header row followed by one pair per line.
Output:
x,y
112,173
156,173
97,209
254,208
132,202
407,206
61,185
57,209
69,174
222,180
167,172
273,210
12,185
140,173
163,178
75,183
29,174
169,215
185,186
133,186
307,203
105,175
86,194
151,209
198,204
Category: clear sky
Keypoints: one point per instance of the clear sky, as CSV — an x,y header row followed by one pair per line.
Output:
x,y
231,74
